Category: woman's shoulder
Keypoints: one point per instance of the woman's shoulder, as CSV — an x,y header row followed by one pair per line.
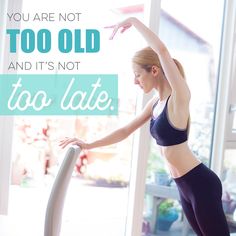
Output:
x,y
154,100
150,105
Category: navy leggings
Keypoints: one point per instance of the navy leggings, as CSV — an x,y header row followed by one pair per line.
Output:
x,y
200,194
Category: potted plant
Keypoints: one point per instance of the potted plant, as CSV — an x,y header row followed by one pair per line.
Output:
x,y
229,204
162,177
156,170
167,214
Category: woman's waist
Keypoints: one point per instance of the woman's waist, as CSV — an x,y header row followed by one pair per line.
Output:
x,y
180,159
175,151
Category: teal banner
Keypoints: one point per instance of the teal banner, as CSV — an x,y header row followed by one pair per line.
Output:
x,y
70,94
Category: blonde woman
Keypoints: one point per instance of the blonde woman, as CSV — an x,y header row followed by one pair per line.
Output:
x,y
199,188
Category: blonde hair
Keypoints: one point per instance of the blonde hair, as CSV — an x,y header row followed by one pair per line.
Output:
x,y
147,57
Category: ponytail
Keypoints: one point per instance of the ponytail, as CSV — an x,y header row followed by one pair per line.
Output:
x,y
180,67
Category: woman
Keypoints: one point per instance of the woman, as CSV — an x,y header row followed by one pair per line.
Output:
x,y
200,189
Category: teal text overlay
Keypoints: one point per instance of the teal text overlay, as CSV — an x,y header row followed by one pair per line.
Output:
x,y
47,94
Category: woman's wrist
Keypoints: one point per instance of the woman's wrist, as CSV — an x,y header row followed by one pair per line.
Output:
x,y
133,20
88,146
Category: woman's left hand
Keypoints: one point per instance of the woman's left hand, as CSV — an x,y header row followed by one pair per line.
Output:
x,y
73,141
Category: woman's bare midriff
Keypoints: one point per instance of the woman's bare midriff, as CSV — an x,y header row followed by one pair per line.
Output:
x,y
180,159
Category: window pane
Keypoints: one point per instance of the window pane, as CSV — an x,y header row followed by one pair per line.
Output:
x,y
229,187
195,42
96,202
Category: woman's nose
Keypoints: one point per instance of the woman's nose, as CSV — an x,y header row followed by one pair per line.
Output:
x,y
136,81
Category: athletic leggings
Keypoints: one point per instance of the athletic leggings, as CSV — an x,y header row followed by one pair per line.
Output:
x,y
200,194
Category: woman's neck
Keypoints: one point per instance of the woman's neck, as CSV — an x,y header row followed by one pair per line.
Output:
x,y
163,89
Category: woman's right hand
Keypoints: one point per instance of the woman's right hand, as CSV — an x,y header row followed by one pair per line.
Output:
x,y
73,141
123,25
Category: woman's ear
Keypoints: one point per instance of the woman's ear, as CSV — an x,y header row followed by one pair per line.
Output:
x,y
155,70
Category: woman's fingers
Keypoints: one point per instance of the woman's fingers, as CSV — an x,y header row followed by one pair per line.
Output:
x,y
72,141
65,140
109,26
115,29
77,143
63,143
125,28
123,25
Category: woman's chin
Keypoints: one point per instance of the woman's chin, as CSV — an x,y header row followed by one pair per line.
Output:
x,y
145,90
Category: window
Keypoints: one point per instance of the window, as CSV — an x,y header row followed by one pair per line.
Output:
x,y
195,42
228,149
98,196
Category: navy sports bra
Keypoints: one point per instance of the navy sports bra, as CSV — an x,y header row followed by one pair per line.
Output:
x,y
164,132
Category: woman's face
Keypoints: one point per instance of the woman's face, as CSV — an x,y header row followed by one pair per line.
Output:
x,y
146,80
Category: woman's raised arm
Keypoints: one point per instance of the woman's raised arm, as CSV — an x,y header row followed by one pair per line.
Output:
x,y
169,67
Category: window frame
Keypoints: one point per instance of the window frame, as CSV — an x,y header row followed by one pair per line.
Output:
x,y
152,11
230,135
224,95
6,122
